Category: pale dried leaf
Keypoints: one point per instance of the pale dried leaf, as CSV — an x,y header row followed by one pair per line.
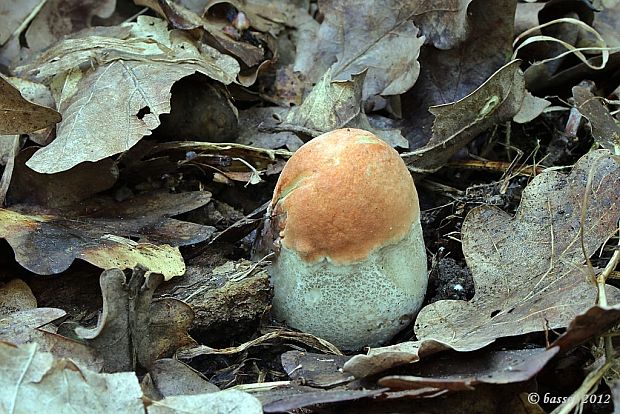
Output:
x,y
223,402
32,380
528,270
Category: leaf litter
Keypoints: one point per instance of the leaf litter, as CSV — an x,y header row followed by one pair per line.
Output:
x,y
253,80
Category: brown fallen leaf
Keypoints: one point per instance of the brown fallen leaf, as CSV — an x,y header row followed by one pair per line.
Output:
x,y
91,230
12,16
57,190
227,401
334,104
132,330
169,377
351,39
22,326
449,75
19,116
605,129
587,325
315,370
47,244
528,270
458,372
456,124
111,107
58,18
299,397
186,19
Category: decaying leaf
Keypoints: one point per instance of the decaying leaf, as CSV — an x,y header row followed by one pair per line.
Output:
x,y
45,244
61,189
351,39
386,357
19,116
119,102
22,326
147,40
450,75
168,376
528,269
589,324
456,124
12,16
31,377
316,370
58,18
605,129
334,104
531,107
133,330
98,232
459,372
295,398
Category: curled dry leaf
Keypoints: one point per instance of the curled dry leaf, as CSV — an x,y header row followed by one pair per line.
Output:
x,y
58,18
186,19
587,325
22,326
12,16
169,376
19,116
117,103
61,189
450,75
334,104
605,129
315,370
456,124
278,401
228,401
132,329
458,372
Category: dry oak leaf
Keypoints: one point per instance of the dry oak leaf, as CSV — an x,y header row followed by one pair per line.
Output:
x,y
497,100
528,270
117,103
334,104
352,39
19,116
45,244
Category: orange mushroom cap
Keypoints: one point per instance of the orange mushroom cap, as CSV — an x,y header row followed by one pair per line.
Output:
x,y
342,196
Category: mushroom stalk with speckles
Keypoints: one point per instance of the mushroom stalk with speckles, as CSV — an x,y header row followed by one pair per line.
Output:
x,y
351,265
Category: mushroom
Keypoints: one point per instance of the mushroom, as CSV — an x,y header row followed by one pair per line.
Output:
x,y
351,265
